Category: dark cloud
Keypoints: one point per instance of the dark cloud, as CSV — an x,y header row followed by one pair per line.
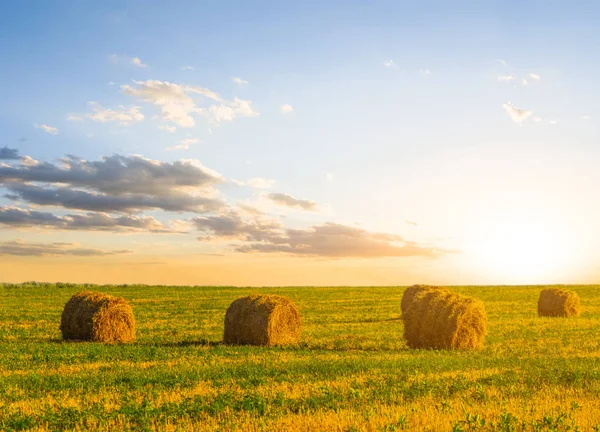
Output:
x,y
114,184
289,201
233,226
20,248
327,240
126,203
8,153
336,240
16,217
117,175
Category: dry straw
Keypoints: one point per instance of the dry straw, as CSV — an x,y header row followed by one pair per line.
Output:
x,y
98,317
411,292
556,302
440,319
262,320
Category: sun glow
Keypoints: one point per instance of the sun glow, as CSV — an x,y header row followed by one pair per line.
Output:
x,y
523,247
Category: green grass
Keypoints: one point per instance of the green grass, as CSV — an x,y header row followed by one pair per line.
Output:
x,y
351,371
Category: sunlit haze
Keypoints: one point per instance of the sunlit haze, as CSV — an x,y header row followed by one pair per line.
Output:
x,y
299,143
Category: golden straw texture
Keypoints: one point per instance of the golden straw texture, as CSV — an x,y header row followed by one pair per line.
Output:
x,y
440,319
411,291
98,317
262,320
556,302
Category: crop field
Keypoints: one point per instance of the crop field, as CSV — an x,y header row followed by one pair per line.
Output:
x,y
352,370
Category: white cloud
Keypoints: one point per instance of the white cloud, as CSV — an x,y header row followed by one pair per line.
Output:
x,y
586,117
183,144
524,81
228,111
167,128
426,72
535,76
122,115
187,67
29,162
389,63
329,176
537,119
48,129
177,105
517,114
239,81
286,108
205,92
138,62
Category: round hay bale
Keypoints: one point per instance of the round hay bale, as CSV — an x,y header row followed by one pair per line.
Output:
x,y
411,292
97,317
440,319
262,320
557,302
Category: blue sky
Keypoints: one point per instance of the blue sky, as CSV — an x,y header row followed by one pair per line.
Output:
x,y
447,115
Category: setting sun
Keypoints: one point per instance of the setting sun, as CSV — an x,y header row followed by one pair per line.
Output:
x,y
524,247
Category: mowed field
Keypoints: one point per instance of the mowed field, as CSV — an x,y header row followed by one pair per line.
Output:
x,y
351,372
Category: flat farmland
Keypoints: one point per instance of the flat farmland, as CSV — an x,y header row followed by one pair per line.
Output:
x,y
352,370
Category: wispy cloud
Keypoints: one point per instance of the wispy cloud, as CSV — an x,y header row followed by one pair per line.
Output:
x,y
586,117
187,67
118,58
239,81
289,201
517,114
391,64
183,144
257,183
409,222
535,76
23,218
21,248
426,72
48,129
122,115
336,240
136,61
167,128
286,108
506,78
